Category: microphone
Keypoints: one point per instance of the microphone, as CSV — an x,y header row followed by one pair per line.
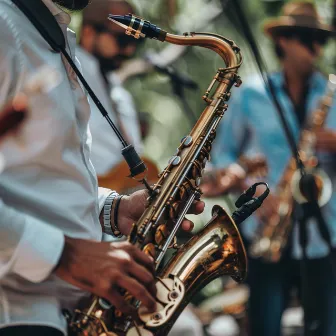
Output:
x,y
175,76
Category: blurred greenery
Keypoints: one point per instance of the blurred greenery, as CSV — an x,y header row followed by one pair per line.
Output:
x,y
153,92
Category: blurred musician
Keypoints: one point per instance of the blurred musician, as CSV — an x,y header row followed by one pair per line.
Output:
x,y
103,48
51,209
298,37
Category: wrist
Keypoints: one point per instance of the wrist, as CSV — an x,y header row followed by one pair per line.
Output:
x,y
67,247
123,212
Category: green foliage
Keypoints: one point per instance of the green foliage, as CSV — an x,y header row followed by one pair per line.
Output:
x,y
153,92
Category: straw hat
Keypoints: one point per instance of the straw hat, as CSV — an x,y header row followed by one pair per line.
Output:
x,y
302,15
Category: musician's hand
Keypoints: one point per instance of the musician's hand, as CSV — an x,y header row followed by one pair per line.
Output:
x,y
223,183
326,140
101,268
269,208
131,208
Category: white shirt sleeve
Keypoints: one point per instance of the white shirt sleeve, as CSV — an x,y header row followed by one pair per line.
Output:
x,y
28,247
102,195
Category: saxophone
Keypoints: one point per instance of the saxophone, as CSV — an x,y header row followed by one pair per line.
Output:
x,y
216,250
273,234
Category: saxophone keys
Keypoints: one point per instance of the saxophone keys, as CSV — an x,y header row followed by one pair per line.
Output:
x,y
170,293
150,250
161,234
187,141
196,170
174,160
173,210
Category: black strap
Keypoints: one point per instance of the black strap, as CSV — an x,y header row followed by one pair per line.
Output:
x,y
40,16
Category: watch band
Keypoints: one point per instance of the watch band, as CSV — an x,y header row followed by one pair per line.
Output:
x,y
114,223
107,213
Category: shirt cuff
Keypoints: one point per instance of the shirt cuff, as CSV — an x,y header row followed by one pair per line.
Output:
x,y
38,252
103,193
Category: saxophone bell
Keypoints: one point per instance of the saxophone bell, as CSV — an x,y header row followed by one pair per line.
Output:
x,y
316,183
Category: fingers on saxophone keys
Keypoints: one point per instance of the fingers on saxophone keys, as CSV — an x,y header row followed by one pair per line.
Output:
x,y
196,208
144,277
187,225
138,291
119,302
142,258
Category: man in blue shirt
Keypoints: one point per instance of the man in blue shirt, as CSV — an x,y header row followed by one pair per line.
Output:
x,y
252,120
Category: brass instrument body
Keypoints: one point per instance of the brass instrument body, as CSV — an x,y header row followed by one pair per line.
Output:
x,y
214,251
272,236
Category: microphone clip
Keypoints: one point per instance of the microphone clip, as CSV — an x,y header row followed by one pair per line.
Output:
x,y
247,204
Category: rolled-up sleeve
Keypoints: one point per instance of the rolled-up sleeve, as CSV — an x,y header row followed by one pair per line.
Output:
x,y
102,195
28,247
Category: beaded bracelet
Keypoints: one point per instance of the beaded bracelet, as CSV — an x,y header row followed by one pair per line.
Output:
x,y
114,224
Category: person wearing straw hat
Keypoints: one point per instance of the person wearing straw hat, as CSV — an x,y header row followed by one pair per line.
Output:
x,y
298,37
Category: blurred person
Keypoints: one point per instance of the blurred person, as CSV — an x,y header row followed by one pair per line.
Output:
x,y
102,49
298,37
51,209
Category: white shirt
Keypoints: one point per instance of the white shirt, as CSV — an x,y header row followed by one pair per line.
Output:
x,y
49,186
106,148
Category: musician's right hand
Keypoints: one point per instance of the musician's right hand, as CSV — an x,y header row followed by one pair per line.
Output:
x,y
222,183
102,268
269,208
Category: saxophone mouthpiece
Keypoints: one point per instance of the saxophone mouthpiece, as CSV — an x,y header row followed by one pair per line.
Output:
x,y
138,27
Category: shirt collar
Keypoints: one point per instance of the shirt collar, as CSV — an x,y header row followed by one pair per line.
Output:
x,y
61,16
316,80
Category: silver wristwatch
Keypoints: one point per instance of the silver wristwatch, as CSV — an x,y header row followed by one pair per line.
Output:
x,y
107,213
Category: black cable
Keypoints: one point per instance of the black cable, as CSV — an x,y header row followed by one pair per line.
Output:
x,y
94,98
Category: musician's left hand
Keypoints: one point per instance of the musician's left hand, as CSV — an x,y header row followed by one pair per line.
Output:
x,y
326,140
131,208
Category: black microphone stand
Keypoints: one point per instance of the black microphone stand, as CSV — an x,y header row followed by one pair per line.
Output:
x,y
179,83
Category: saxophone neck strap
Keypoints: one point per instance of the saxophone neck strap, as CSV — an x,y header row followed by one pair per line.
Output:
x,y
43,20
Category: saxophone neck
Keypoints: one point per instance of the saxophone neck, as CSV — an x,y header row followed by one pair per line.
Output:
x,y
225,48
139,28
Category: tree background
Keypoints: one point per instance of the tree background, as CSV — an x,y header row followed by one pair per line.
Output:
x,y
153,92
